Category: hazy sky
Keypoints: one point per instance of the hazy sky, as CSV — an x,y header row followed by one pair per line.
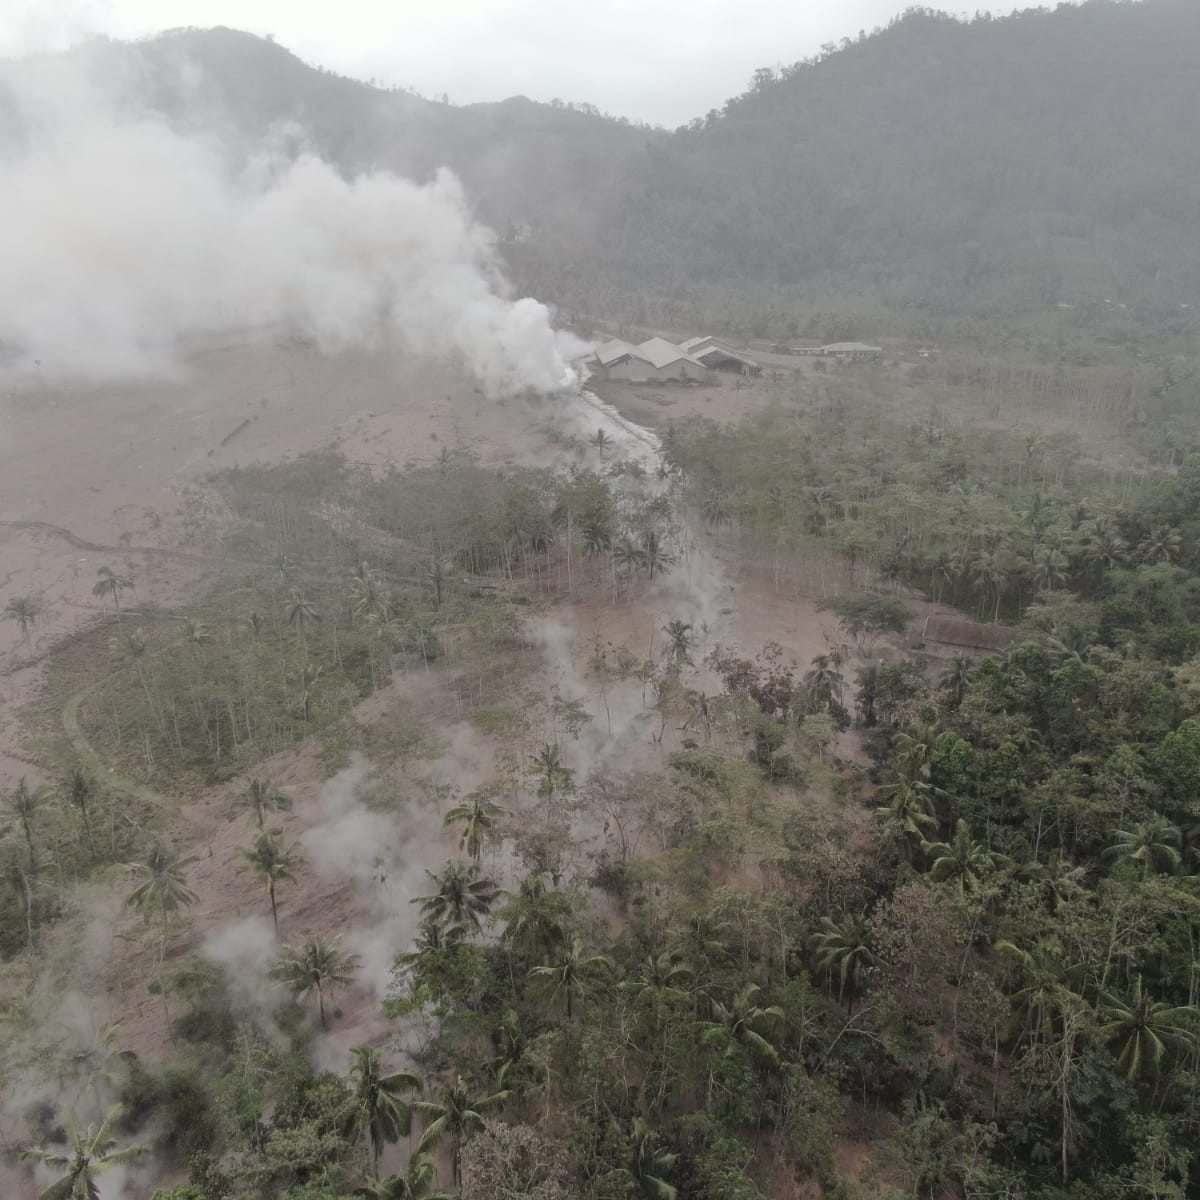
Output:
x,y
664,61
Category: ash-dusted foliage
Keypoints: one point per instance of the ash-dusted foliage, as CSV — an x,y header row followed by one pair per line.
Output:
x,y
337,581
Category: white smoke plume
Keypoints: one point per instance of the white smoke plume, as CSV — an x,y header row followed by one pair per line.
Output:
x,y
246,949
385,854
120,236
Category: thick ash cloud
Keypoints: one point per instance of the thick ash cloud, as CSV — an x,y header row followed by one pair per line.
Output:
x,y
120,236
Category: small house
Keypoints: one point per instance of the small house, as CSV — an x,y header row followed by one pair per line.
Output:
x,y
850,351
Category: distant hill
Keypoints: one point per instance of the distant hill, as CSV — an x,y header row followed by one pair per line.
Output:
x,y
524,163
1001,165
1024,175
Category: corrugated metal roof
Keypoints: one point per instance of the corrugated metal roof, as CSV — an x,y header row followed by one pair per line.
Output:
x,y
609,352
848,347
694,345
659,352
719,351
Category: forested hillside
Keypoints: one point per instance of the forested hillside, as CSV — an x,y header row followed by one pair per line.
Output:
x,y
1034,175
1001,166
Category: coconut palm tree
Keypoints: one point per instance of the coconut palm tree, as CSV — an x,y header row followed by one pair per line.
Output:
x,y
23,802
111,585
534,919
845,949
910,804
380,1112
913,750
477,815
740,1022
25,610
309,677
417,1183
368,595
601,441
318,965
273,863
431,940
1151,845
300,612
962,861
957,677
1142,1029
554,777
679,644
716,507
437,574
80,789
1101,548
648,1163
164,889
22,889
262,797
1161,544
596,532
655,555
90,1153
628,556
456,1115
1038,515
824,683
1048,569
658,982
992,571
573,973
463,897
1045,993
702,943
1059,877
96,1063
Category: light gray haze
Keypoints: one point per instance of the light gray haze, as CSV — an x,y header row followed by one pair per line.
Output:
x,y
119,236
662,61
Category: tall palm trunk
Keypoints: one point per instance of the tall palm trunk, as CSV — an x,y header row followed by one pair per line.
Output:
x,y
29,841
24,902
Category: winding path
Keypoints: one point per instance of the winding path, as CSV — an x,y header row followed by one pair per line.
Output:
x,y
149,551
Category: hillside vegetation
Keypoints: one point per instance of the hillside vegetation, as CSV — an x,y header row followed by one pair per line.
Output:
x,y
1003,167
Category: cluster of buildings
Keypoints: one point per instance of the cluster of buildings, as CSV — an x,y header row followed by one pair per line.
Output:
x,y
658,361
842,351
